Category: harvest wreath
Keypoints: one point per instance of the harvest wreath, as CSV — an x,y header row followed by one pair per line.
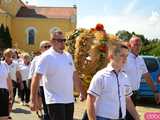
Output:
x,y
89,48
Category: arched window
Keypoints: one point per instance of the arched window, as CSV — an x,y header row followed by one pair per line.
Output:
x,y
31,35
54,29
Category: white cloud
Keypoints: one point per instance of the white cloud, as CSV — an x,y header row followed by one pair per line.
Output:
x,y
155,17
130,6
138,24
154,23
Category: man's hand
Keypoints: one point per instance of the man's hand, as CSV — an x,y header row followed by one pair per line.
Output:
x,y
10,102
82,96
11,94
157,98
11,97
35,104
35,100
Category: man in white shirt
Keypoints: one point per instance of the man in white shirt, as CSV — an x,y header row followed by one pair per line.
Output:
x,y
135,67
109,91
57,68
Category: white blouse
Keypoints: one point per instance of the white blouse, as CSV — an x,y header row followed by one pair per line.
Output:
x,y
4,72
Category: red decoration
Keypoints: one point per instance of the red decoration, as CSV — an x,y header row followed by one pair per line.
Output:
x,y
103,48
99,27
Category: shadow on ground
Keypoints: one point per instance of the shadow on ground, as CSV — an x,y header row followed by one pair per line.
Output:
x,y
20,110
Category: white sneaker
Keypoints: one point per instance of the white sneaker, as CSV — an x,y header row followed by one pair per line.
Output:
x,y
25,103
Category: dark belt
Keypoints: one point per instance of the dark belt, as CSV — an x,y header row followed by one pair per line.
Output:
x,y
109,118
3,90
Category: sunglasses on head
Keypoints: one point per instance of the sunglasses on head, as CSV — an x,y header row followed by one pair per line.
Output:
x,y
46,46
60,40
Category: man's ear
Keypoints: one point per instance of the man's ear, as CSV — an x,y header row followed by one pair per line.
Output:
x,y
129,45
110,57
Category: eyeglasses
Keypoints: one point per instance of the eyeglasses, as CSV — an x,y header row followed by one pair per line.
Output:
x,y
60,40
47,46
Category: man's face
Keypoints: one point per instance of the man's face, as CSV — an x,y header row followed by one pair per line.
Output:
x,y
59,42
136,45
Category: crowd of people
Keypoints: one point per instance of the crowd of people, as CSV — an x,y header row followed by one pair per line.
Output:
x,y
49,80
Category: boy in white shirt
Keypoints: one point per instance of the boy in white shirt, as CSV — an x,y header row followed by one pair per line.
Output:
x,y
109,91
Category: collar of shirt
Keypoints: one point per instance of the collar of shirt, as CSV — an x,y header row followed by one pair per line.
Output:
x,y
111,69
133,55
53,51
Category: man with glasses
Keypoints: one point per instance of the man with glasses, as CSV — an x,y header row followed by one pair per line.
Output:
x,y
57,67
44,45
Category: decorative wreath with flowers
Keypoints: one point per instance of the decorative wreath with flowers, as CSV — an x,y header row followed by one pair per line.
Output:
x,y
89,48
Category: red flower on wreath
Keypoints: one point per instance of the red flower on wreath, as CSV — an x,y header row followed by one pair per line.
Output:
x,y
103,48
99,27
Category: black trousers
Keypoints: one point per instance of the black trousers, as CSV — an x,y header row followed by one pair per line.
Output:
x,y
19,90
133,97
4,102
25,93
85,116
15,87
61,111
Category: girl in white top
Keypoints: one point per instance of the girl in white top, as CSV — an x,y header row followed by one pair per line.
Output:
x,y
24,70
13,69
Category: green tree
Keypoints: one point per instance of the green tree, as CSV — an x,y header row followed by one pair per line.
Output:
x,y
124,35
2,34
5,37
8,39
144,40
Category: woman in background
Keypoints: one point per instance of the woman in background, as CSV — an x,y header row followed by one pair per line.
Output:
x,y
24,71
6,92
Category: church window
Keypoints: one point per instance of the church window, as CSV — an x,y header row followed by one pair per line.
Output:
x,y
31,35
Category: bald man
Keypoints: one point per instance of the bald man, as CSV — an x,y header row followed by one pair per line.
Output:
x,y
57,67
135,68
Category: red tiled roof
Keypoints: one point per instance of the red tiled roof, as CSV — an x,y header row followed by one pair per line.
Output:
x,y
46,12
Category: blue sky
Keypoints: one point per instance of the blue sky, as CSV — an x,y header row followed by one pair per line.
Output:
x,y
140,16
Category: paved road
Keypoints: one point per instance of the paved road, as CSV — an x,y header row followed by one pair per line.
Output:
x,y
23,112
